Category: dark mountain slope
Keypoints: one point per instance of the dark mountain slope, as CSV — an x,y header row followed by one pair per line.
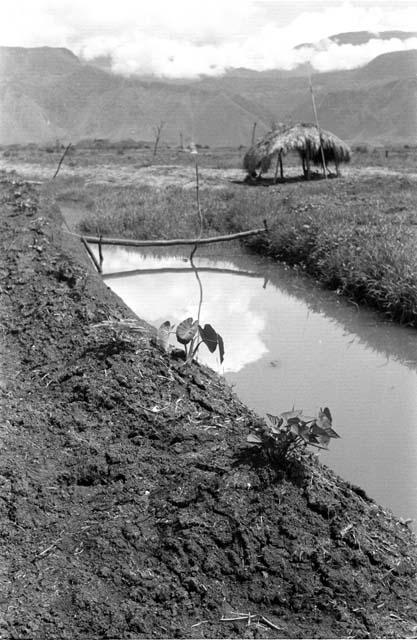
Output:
x,y
29,63
47,93
382,114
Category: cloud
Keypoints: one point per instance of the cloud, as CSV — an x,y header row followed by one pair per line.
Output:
x,y
348,56
181,38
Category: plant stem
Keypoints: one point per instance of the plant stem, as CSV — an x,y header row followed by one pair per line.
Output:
x,y
201,222
197,189
194,268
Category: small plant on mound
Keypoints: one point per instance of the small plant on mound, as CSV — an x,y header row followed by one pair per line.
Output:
x,y
287,435
191,335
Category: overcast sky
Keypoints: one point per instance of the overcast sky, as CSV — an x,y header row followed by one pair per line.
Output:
x,y
185,38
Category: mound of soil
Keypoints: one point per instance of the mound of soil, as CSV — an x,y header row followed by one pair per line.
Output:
x,y
131,505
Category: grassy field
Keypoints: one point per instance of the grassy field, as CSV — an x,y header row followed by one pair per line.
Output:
x,y
137,155
355,234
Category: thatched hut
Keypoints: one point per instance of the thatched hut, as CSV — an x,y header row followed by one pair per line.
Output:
x,y
312,145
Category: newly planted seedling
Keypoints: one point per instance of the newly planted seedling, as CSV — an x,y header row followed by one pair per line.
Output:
x,y
191,335
289,433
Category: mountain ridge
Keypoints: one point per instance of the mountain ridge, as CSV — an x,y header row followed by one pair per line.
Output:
x,y
48,93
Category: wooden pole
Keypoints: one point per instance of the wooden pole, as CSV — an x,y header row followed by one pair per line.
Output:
x,y
91,254
100,253
253,134
313,100
169,243
61,160
158,131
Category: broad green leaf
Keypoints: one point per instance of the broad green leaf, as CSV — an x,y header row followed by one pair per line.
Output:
x,y
276,423
303,430
275,420
319,437
209,337
293,427
324,439
254,439
332,433
275,430
323,426
326,413
186,330
162,338
288,415
316,444
317,429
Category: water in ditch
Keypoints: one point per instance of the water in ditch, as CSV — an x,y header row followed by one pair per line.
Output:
x,y
288,343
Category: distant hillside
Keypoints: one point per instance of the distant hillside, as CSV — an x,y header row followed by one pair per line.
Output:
x,y
48,93
399,64
19,62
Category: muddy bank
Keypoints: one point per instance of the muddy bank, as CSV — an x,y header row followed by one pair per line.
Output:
x,y
130,504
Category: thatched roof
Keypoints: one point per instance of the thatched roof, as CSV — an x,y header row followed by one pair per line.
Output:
x,y
301,137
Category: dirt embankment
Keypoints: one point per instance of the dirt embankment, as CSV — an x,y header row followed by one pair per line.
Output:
x,y
130,505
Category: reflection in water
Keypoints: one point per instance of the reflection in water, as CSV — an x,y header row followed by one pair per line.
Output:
x,y
287,343
174,295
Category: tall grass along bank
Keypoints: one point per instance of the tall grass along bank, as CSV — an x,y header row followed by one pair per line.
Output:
x,y
354,235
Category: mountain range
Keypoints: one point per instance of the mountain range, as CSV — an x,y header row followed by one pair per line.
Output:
x,y
49,93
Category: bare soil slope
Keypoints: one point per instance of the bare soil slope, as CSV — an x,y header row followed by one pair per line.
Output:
x,y
130,504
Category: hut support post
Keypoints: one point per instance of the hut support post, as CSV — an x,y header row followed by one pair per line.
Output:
x,y
323,159
279,164
308,162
